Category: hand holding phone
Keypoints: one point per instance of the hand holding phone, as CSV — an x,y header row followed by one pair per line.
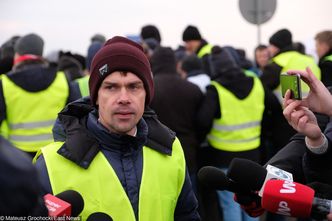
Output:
x,y
293,83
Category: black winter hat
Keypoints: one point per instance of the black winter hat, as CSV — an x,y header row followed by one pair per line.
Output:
x,y
163,61
150,31
223,64
30,44
191,33
192,63
281,38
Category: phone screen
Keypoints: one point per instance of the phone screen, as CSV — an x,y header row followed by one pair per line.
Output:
x,y
292,82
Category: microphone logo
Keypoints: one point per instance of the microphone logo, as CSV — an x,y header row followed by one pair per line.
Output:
x,y
280,174
284,209
288,187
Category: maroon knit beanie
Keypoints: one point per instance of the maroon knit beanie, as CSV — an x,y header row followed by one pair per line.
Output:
x,y
120,54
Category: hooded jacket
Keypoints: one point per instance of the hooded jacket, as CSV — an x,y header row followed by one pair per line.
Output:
x,y
230,75
176,102
84,137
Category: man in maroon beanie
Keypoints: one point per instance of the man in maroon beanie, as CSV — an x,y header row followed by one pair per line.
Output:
x,y
114,151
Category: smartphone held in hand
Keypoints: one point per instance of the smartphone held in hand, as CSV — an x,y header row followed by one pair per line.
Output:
x,y
293,83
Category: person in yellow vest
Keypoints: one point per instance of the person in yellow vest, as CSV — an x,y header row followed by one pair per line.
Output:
x,y
234,116
83,82
285,58
195,44
324,52
31,95
123,163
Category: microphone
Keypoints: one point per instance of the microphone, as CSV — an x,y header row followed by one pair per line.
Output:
x,y
215,178
67,203
252,175
294,199
98,216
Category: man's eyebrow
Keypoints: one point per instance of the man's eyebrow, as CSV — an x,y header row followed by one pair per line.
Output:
x,y
109,83
115,83
136,82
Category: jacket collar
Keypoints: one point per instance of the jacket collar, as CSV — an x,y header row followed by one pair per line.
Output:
x,y
81,146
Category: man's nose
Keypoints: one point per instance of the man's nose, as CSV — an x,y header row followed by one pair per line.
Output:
x,y
124,96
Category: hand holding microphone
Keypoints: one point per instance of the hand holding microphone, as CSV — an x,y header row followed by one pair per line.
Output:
x,y
216,179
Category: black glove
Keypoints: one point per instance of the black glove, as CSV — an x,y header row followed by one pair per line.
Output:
x,y
250,203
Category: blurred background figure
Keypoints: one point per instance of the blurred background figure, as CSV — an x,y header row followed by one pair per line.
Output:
x,y
150,31
192,70
7,55
262,58
98,38
97,41
285,58
196,44
31,95
150,39
299,47
233,117
73,65
176,102
324,52
20,190
239,56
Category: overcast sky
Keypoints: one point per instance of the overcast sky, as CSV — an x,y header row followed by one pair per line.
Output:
x,y
69,24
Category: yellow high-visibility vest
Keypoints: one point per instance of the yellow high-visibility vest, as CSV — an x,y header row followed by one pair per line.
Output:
x,y
31,115
83,84
162,180
293,60
239,127
206,49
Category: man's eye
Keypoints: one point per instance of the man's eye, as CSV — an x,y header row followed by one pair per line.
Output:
x,y
134,87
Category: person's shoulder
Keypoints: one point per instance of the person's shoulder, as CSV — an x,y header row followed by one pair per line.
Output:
x,y
160,137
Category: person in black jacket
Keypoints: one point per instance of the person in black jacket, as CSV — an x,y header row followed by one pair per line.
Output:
x,y
176,103
126,164
20,191
196,44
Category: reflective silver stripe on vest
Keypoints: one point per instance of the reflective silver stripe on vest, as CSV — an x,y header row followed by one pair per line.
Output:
x,y
237,127
28,138
232,141
31,125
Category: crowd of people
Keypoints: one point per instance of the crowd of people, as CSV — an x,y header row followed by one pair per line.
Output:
x,y
129,124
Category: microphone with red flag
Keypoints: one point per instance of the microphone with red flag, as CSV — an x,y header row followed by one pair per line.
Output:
x,y
67,203
293,199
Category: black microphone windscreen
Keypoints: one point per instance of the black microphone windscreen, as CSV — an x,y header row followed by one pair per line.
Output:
x,y
213,178
99,217
247,173
74,199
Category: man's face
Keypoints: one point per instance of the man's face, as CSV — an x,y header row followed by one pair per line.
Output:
x,y
192,46
262,57
121,100
273,50
321,48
